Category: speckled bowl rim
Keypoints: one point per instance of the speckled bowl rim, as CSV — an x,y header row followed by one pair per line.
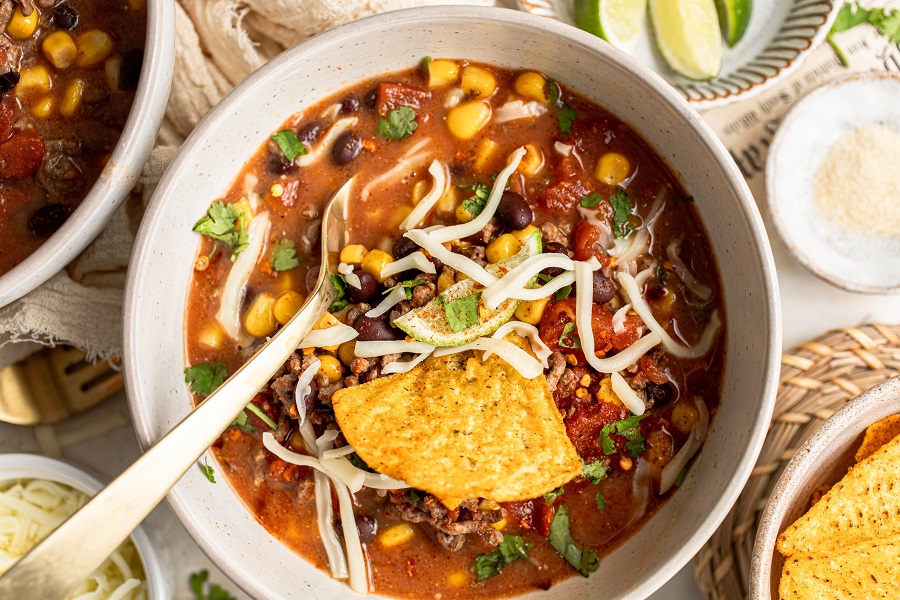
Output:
x,y
36,466
781,227
875,404
121,171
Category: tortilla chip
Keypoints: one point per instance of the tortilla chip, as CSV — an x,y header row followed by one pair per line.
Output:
x,y
460,428
867,570
877,435
864,505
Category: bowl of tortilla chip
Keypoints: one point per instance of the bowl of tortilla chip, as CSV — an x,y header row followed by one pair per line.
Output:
x,y
831,527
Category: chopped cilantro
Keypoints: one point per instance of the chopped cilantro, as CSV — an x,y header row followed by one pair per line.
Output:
x,y
661,273
565,114
243,422
591,200
680,479
284,257
511,549
409,285
223,222
628,428
563,293
414,496
205,377
290,144
889,26
262,415
208,471
584,560
601,500
426,63
887,22
622,207
544,277
400,123
462,313
358,462
476,203
340,301
553,496
198,584
567,339
594,471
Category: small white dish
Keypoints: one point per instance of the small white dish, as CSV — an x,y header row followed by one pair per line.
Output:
x,y
854,262
34,466
779,36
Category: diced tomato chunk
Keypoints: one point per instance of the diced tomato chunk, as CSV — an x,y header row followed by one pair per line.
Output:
x,y
586,423
21,155
561,313
647,365
395,95
535,515
585,238
630,333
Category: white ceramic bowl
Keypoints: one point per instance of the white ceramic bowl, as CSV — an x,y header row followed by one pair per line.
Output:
x,y
34,466
822,460
122,169
161,269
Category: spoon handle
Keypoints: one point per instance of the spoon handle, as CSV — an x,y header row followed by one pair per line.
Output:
x,y
69,555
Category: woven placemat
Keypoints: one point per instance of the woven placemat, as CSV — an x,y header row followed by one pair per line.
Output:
x,y
817,379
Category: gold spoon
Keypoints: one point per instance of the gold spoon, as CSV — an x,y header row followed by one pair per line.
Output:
x,y
75,549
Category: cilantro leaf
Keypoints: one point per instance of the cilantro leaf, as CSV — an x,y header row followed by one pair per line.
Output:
x,y
462,313
400,122
849,17
511,549
630,429
409,285
554,495
262,415
566,116
289,144
594,471
205,377
414,496
600,499
889,26
340,301
223,223
208,471
476,203
243,422
198,583
568,338
622,208
852,15
426,63
591,200
284,257
584,560
563,293
359,463
680,479
544,277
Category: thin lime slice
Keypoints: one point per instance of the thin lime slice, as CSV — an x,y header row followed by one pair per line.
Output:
x,y
429,323
734,16
616,21
688,36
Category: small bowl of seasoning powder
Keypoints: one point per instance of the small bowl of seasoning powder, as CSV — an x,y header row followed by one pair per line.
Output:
x,y
833,179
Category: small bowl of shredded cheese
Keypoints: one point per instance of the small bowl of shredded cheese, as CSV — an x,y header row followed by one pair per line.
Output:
x,y
37,494
832,182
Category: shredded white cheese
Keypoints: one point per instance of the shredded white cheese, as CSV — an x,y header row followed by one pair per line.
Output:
x,y
438,189
517,280
404,366
414,260
627,395
323,145
407,163
517,109
527,331
229,313
371,349
350,277
396,296
700,290
453,260
303,388
618,320
330,336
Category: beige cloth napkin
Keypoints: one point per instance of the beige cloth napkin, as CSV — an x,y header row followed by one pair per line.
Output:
x,y
218,43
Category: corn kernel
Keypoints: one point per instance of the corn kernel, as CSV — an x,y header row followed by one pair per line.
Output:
x,y
446,206
458,579
331,368
486,504
325,321
612,168
33,80
460,276
22,27
260,321
532,311
684,416
606,394
398,215
347,352
462,214
499,525
353,254
478,82
442,72
286,306
626,463
374,262
524,234
211,336
532,85
43,108
396,535
59,48
532,162
419,190
502,247
94,46
445,280
244,210
485,152
467,119
585,380
71,98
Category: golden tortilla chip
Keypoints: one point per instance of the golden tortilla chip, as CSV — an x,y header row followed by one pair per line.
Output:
x,y
864,505
460,428
877,435
868,570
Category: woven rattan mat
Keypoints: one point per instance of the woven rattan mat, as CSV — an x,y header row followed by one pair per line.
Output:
x,y
817,379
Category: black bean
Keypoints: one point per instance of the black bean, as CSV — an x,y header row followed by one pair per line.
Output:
x,y
130,73
604,288
658,395
368,288
278,164
555,248
367,527
64,17
373,329
310,132
350,105
346,148
514,210
403,246
47,219
371,99
8,81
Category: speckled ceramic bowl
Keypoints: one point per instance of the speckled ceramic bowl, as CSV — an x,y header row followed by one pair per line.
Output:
x,y
122,169
822,460
161,269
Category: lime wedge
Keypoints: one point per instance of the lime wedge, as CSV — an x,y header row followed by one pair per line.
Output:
x,y
688,36
734,16
616,21
429,323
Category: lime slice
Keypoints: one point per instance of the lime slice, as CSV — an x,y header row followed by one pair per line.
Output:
x,y
429,323
734,16
688,36
616,21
